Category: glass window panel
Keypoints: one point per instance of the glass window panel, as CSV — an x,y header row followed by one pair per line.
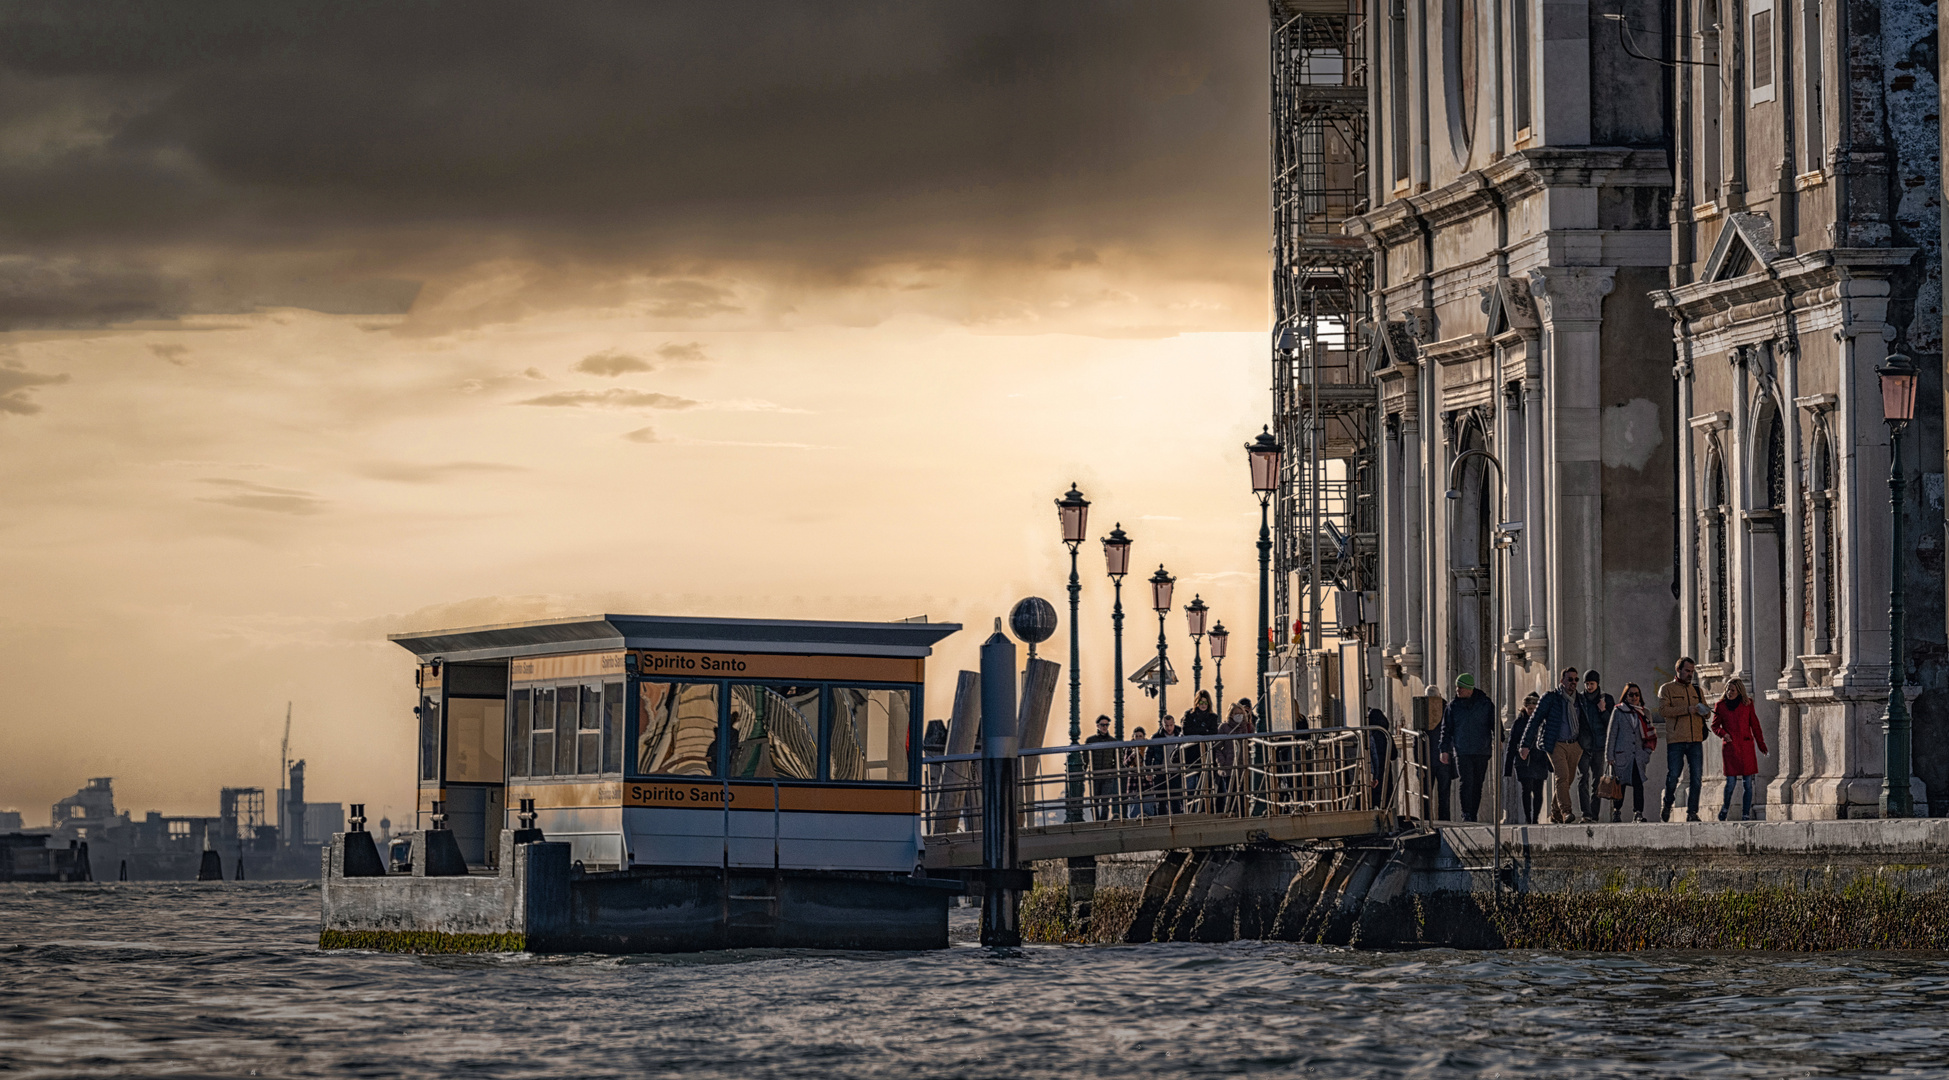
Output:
x,y
474,734
775,732
544,743
429,738
588,755
871,734
612,727
568,706
524,729
678,725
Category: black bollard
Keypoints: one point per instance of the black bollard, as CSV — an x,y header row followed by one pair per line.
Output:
x,y
212,867
1001,900
359,856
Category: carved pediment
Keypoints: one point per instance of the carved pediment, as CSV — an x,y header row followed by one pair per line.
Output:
x,y
1510,306
1745,246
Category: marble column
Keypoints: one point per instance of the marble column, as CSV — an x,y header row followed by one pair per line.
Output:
x,y
1572,299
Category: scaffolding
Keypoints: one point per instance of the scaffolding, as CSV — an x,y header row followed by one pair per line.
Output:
x,y
1323,397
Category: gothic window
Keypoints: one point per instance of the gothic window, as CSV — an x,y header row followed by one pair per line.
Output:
x,y
1713,564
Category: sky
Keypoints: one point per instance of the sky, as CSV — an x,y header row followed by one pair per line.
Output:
x,y
324,321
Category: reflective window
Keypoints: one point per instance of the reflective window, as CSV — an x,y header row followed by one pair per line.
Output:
x,y
589,737
612,727
524,727
678,725
474,727
871,734
775,732
568,708
543,758
429,738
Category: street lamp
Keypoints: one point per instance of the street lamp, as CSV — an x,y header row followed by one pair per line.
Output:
x,y
1898,378
1504,540
1074,512
1194,617
1218,637
1160,601
1116,556
1263,453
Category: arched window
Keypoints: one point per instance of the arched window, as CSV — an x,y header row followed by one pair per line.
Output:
x,y
1822,595
1713,564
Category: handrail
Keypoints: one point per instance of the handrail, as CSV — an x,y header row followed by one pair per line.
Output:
x,y
1171,740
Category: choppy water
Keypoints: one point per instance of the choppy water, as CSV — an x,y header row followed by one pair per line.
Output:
x,y
224,980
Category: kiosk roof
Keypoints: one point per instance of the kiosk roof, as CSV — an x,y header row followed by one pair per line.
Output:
x,y
591,633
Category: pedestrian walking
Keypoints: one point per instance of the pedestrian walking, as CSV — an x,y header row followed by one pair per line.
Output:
x,y
1198,720
1738,728
1165,761
1229,757
1683,706
1441,773
1468,731
1136,777
1594,721
1556,726
1628,743
1103,772
1530,771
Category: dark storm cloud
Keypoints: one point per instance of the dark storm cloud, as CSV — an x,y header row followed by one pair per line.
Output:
x,y
333,155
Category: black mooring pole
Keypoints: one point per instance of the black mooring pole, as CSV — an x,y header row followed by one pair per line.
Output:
x,y
1000,907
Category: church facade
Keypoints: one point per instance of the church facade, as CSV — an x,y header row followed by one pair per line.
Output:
x,y
1625,312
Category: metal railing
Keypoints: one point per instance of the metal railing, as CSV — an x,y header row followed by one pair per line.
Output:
x,y
1192,776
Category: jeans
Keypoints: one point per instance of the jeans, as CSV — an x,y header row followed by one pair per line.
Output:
x,y
1684,753
1745,810
1472,767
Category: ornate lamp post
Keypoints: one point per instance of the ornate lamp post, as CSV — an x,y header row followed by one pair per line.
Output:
x,y
1116,556
1160,600
1194,618
1218,637
1074,512
1898,408
1263,452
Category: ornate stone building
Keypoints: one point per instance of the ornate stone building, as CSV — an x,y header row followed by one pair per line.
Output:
x,y
1519,189
1805,237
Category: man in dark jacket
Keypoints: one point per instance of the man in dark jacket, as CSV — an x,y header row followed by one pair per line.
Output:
x,y
1553,731
1594,711
1103,772
1468,734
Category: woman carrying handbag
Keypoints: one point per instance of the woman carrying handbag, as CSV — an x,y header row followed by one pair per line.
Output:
x,y
1627,750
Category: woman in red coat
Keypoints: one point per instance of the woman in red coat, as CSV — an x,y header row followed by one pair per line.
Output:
x,y
1739,732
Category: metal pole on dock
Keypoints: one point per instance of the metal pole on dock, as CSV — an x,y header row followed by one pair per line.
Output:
x,y
1000,907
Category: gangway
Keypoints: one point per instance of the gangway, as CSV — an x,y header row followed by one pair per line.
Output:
x,y
1182,792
